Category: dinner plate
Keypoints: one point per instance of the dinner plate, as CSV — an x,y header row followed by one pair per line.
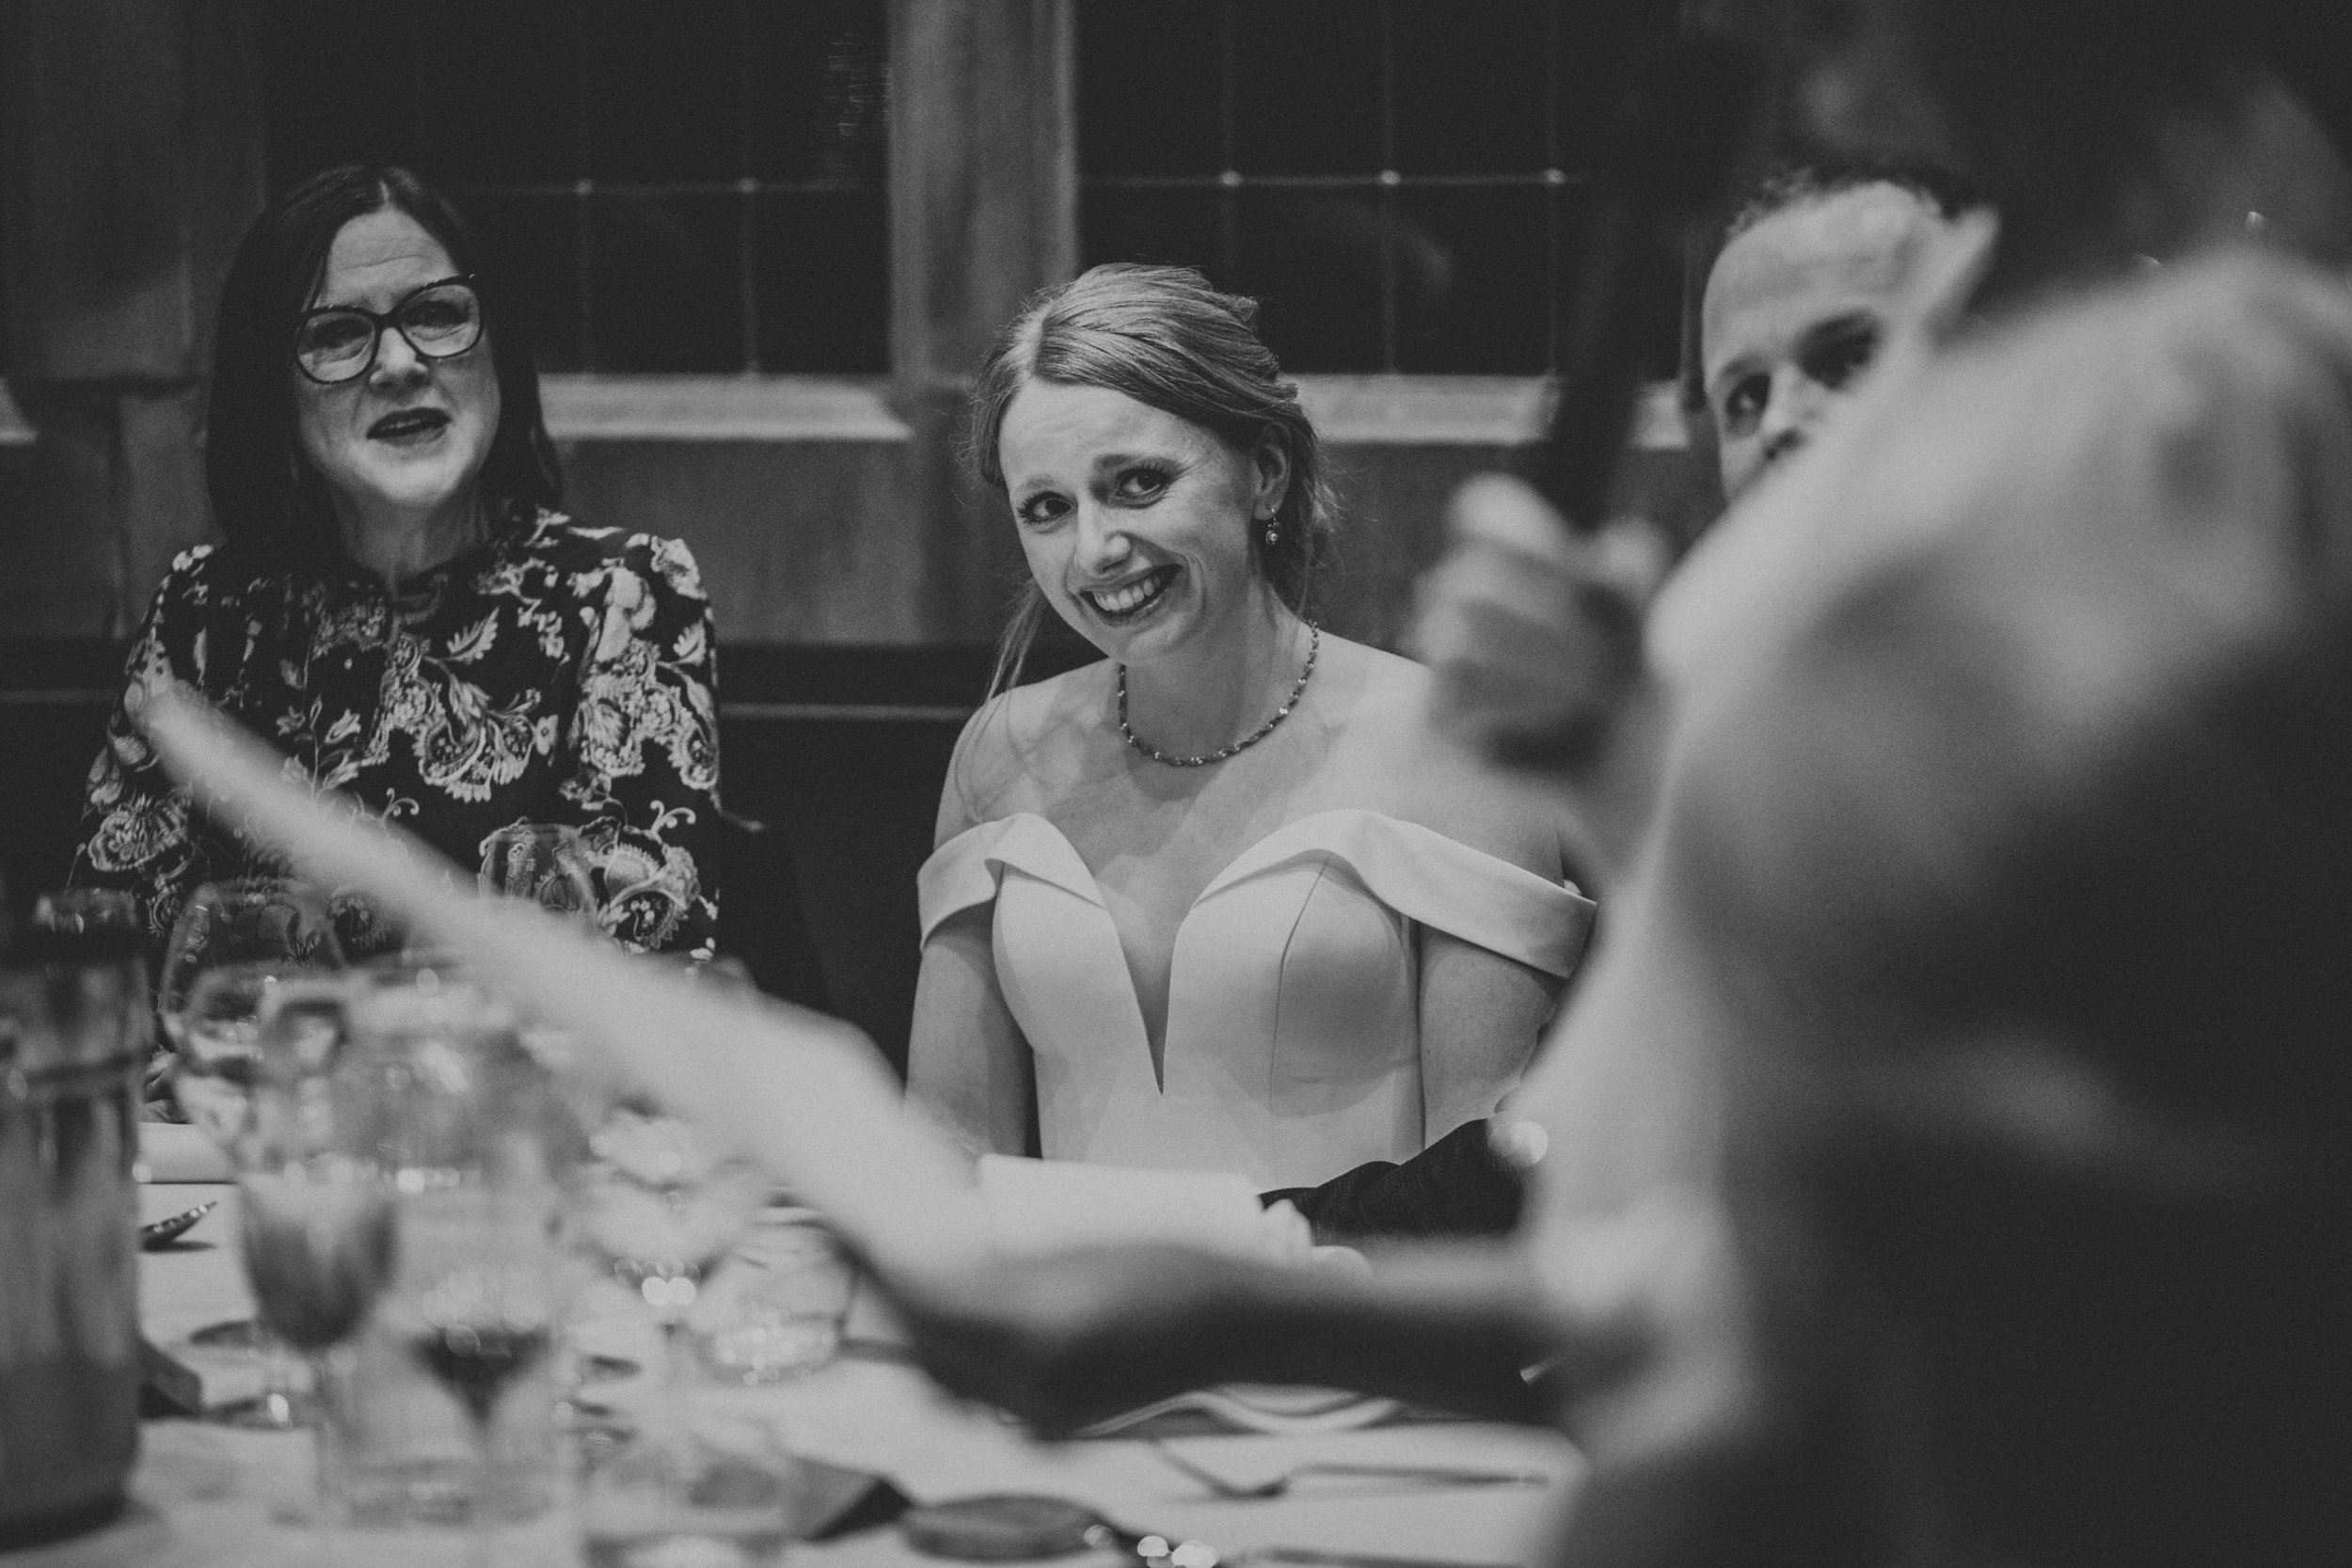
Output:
x,y
1266,1409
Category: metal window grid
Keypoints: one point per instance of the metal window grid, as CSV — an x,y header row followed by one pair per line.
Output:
x,y
584,193
1385,184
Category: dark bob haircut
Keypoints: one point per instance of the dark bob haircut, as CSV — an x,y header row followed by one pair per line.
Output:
x,y
265,495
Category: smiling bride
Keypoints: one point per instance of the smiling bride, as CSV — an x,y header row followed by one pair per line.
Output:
x,y
1217,902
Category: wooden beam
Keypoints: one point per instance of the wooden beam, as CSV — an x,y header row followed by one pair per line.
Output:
x,y
983,214
129,164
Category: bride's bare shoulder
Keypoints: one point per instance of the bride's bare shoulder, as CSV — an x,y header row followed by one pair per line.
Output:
x,y
1019,751
1424,775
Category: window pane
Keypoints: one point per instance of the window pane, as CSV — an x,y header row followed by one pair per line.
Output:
x,y
820,83
531,246
1471,86
1471,281
1313,260
1149,93
1599,45
821,272
1307,87
666,274
496,89
1185,228
665,91
331,95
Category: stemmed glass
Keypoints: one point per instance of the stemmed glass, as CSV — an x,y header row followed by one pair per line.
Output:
x,y
242,937
542,862
235,946
465,1115
316,1209
662,1207
488,1308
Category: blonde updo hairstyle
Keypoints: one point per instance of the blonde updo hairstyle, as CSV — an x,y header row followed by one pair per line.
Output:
x,y
1163,337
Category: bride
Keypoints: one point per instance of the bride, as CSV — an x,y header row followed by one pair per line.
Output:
x,y
1217,901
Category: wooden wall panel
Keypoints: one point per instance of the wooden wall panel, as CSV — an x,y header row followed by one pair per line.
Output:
x,y
983,212
129,164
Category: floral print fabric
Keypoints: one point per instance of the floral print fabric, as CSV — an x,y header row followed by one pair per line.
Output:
x,y
555,674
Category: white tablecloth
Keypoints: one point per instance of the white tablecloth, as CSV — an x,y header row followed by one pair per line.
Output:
x,y
208,1496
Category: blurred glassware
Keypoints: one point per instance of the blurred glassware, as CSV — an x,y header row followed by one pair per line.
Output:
x,y
235,946
246,920
660,1205
543,863
361,927
263,928
453,1413
74,1033
290,1148
775,1311
480,1302
315,1210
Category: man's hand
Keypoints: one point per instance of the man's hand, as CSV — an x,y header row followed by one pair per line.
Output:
x,y
1535,632
1069,1338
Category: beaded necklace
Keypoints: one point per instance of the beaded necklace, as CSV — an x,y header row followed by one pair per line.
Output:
x,y
1314,644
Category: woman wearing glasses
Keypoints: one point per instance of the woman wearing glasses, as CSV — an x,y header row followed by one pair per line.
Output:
x,y
396,603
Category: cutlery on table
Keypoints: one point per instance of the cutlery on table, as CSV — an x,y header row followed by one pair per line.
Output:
x,y
1427,1475
165,1231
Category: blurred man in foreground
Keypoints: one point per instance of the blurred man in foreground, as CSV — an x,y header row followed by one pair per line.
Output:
x,y
1825,268
1947,1149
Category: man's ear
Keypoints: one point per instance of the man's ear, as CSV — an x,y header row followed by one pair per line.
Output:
x,y
1272,463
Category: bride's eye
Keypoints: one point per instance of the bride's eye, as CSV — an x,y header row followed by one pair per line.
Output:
x,y
1141,484
1037,511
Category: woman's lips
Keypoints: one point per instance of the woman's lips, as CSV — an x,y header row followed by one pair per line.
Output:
x,y
1129,599
409,424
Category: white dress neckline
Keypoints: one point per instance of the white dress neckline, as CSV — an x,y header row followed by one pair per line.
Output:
x,y
1292,1035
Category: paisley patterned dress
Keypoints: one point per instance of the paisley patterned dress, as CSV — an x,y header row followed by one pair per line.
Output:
x,y
553,673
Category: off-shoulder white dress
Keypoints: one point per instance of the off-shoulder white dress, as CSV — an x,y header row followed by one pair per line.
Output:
x,y
1293,1045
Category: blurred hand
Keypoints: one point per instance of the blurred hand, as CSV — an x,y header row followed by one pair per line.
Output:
x,y
1533,631
1664,1279
1067,1339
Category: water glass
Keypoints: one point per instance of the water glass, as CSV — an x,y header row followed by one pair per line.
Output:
x,y
543,863
775,1311
450,1414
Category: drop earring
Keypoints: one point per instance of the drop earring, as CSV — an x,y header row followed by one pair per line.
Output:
x,y
1273,534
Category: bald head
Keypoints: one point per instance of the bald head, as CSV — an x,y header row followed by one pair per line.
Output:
x,y
1798,305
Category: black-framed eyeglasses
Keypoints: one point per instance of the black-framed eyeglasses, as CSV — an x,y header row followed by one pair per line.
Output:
x,y
440,320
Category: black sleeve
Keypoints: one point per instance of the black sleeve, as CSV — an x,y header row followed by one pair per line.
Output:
x,y
1457,1186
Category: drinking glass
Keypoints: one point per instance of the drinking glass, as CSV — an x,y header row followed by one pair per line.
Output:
x,y
249,920
464,1117
317,1225
486,1311
235,945
234,942
777,1312
541,863
661,1206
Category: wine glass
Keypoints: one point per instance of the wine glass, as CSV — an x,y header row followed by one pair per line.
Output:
x,y
480,1298
233,942
661,1206
546,863
658,1201
465,1115
316,1226
235,945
